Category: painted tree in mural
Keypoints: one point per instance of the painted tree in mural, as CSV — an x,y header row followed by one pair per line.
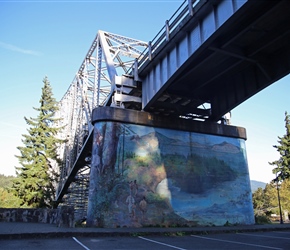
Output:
x,y
282,169
36,178
102,177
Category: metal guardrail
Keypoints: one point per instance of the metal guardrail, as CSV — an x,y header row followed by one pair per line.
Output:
x,y
185,9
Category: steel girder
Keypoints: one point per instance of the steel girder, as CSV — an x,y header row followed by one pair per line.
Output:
x,y
215,55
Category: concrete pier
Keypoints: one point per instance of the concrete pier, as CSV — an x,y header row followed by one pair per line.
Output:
x,y
149,170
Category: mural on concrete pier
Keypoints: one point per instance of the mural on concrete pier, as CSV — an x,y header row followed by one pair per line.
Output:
x,y
144,176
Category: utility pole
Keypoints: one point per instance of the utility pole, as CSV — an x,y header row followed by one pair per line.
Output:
x,y
279,203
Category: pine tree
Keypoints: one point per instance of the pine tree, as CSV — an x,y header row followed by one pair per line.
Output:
x,y
282,169
37,177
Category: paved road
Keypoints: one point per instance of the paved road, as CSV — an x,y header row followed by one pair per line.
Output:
x,y
249,240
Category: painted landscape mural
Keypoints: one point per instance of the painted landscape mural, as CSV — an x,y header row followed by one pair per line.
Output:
x,y
145,176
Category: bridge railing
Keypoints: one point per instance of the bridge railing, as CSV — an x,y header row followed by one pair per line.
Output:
x,y
185,10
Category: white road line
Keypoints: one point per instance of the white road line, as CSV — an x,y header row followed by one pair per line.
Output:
x,y
236,242
265,236
75,239
160,243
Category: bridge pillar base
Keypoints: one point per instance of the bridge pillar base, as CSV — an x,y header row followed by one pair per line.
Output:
x,y
148,170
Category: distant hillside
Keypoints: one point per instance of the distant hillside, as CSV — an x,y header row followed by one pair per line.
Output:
x,y
6,181
257,184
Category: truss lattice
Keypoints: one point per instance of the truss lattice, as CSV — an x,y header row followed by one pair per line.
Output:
x,y
102,80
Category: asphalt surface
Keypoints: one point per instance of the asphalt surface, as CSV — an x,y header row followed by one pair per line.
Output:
x,y
18,230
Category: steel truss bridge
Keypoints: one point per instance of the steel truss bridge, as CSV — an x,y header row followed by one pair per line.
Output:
x,y
209,57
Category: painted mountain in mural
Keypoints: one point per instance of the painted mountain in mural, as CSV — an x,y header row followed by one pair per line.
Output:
x,y
225,147
157,142
188,165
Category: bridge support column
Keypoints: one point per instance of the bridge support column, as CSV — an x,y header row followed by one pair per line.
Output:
x,y
149,170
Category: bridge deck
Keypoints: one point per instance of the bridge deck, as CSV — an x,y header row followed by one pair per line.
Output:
x,y
248,52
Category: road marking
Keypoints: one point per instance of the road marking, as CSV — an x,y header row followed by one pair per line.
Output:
x,y
236,242
257,235
160,243
77,241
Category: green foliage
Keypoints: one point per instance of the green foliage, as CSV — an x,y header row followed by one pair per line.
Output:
x,y
37,177
6,181
153,198
156,158
130,155
110,188
192,173
196,173
259,199
198,166
7,199
262,219
227,224
265,201
282,169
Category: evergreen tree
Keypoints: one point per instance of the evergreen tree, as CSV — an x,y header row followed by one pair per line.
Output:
x,y
37,177
282,169
265,201
259,201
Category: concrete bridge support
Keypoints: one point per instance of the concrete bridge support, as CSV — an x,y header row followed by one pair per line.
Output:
x,y
150,170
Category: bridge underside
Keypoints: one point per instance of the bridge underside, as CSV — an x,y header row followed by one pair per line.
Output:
x,y
246,54
240,57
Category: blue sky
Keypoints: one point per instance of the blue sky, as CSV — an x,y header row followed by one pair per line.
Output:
x,y
51,38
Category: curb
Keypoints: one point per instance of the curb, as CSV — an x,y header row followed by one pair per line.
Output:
x,y
129,232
